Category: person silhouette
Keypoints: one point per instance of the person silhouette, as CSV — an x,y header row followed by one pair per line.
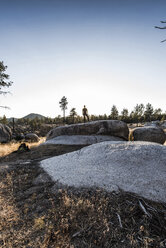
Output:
x,y
85,113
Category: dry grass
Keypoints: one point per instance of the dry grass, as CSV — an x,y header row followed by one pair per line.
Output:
x,y
78,219
40,216
47,215
6,149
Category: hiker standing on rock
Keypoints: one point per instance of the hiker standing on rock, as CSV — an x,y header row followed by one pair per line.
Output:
x,y
85,113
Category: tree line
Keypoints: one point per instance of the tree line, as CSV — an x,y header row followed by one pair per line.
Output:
x,y
140,113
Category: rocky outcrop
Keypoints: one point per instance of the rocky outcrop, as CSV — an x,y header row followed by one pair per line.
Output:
x,y
107,127
149,133
31,137
137,167
5,133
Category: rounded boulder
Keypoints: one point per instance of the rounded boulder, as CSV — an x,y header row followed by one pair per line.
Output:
x,y
5,133
31,137
148,133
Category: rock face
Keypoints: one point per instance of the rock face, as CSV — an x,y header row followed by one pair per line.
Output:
x,y
80,139
138,167
5,133
109,127
32,137
151,134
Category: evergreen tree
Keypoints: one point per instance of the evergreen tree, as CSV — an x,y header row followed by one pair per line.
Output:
x,y
148,112
63,105
138,112
157,114
73,114
114,113
163,117
4,80
4,120
125,114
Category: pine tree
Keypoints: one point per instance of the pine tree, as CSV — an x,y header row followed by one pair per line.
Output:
x,y
114,113
73,113
124,114
148,112
63,105
4,120
4,80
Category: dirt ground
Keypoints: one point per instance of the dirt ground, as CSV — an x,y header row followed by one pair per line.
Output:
x,y
36,212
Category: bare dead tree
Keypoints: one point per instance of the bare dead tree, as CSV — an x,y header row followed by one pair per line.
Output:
x,y
5,107
164,27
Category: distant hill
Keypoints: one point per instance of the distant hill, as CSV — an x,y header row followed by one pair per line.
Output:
x,y
33,116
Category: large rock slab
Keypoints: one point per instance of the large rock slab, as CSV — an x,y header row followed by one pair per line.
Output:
x,y
80,139
149,133
108,127
5,133
138,167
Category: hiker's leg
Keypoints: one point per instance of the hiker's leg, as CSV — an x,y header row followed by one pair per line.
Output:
x,y
87,117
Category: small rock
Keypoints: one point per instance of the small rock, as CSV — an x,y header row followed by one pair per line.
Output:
x,y
32,137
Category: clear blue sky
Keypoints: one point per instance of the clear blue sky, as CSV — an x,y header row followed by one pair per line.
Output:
x,y
94,52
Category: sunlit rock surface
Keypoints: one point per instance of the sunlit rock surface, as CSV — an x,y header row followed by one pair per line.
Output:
x,y
138,167
80,139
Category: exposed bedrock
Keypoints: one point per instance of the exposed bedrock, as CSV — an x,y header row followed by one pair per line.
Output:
x,y
107,127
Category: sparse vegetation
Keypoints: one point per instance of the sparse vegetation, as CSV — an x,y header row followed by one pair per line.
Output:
x,y
6,149
47,215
